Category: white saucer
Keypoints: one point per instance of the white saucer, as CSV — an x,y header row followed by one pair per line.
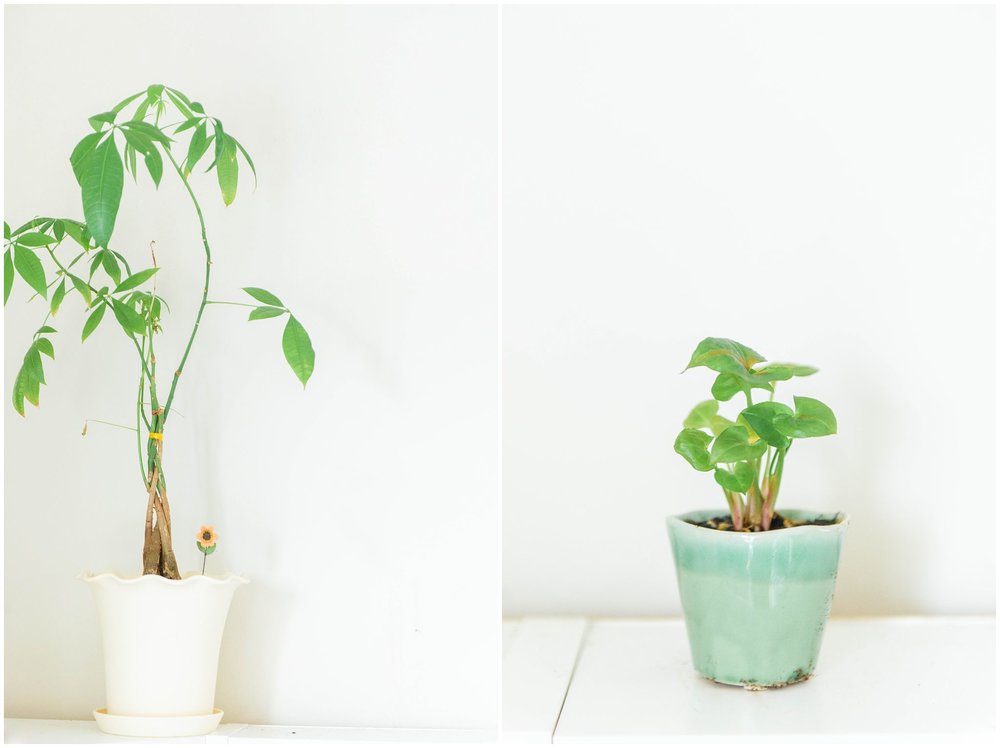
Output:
x,y
158,727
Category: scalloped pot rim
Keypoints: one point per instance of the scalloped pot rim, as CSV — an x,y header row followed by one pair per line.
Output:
x,y
189,579
839,526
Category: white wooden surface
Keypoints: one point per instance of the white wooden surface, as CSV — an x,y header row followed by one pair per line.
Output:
x,y
538,659
914,678
874,677
85,731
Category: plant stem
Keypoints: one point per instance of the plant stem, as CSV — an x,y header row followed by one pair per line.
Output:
x,y
108,423
233,303
204,560
204,297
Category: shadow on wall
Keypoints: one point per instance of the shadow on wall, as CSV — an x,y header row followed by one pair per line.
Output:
x,y
251,650
870,588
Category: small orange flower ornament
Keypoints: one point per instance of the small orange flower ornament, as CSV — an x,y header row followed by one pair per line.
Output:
x,y
207,537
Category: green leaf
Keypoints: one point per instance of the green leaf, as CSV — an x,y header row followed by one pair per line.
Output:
x,y
196,148
93,321
8,275
135,280
187,124
220,139
760,417
6,230
154,164
705,416
30,385
208,551
733,445
125,102
728,383
34,223
33,364
722,354
155,91
196,107
99,120
45,330
266,312
82,151
141,111
263,296
739,479
44,345
111,266
57,297
701,415
76,231
139,141
298,350
129,159
34,239
692,445
82,287
147,130
782,372
58,230
811,418
30,268
181,102
249,160
103,178
130,320
227,169
17,396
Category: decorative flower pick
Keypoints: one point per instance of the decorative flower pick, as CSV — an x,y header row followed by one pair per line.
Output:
x,y
207,537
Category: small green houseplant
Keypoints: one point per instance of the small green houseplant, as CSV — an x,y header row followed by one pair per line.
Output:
x,y
63,258
756,585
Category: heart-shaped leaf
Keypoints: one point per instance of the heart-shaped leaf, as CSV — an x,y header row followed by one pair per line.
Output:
x,y
734,445
811,418
723,354
739,479
692,445
761,417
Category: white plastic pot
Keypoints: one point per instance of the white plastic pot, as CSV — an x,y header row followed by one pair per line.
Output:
x,y
161,651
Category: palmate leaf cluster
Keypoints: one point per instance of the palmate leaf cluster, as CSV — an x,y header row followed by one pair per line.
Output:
x,y
747,454
60,257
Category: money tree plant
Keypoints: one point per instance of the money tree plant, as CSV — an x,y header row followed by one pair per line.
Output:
x,y
747,455
59,258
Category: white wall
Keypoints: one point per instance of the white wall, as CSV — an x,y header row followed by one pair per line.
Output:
x,y
816,182
365,509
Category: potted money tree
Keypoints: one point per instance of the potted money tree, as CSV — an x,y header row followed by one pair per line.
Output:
x,y
756,584
161,629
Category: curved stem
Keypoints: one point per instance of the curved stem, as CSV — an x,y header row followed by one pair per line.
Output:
x,y
204,296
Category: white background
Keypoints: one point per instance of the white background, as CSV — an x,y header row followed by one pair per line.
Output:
x,y
364,509
816,182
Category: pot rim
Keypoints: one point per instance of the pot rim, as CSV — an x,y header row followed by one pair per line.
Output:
x,y
191,578
680,520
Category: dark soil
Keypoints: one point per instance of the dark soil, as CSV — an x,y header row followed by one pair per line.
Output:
x,y
778,522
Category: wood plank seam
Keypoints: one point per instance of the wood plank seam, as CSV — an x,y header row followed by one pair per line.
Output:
x,y
572,673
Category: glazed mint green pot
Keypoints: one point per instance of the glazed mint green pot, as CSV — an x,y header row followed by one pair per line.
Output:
x,y
755,604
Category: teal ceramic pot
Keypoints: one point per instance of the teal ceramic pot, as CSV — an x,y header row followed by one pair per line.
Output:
x,y
755,604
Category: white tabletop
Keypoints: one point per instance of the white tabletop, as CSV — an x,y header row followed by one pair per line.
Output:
x,y
85,731
875,678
